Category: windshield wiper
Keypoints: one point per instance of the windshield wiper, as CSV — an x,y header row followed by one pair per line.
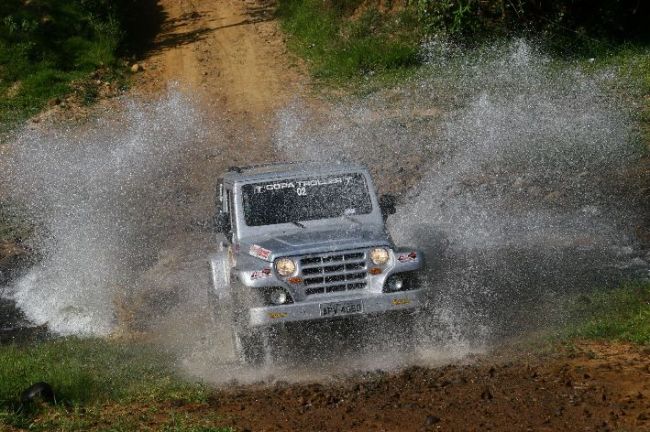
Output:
x,y
348,217
298,224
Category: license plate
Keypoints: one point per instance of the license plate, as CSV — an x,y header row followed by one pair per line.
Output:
x,y
340,308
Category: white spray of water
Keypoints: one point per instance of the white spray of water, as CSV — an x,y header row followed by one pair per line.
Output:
x,y
502,186
100,192
512,206
524,130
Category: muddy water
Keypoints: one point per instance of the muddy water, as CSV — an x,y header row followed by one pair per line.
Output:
x,y
510,172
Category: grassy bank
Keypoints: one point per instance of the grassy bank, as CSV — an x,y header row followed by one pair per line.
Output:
x,y
99,385
340,40
622,314
345,40
50,48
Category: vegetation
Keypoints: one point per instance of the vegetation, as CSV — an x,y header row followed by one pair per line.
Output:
x,y
572,22
622,314
632,65
339,47
98,382
346,39
49,48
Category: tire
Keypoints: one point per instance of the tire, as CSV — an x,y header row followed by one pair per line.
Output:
x,y
252,347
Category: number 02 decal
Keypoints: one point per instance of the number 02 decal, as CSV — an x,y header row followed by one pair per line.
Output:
x,y
301,191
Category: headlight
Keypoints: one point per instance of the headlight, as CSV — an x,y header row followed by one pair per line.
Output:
x,y
278,296
379,256
285,266
393,284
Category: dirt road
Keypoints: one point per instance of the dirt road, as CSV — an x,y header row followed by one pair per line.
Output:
x,y
230,58
590,387
229,53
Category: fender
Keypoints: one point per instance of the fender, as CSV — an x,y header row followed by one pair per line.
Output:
x,y
407,260
220,272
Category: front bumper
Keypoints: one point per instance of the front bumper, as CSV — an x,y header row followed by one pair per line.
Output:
x,y
373,303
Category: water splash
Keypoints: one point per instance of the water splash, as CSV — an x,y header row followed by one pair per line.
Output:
x,y
508,166
103,195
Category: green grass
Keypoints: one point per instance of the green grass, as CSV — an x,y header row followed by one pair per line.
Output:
x,y
631,64
52,48
622,314
91,370
99,382
353,42
634,65
340,47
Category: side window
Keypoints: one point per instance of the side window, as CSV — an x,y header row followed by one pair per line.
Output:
x,y
229,208
222,221
220,200
227,201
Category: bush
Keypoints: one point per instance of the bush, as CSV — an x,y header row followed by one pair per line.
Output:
x,y
565,20
343,39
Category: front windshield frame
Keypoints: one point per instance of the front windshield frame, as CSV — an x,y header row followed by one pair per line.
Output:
x,y
359,209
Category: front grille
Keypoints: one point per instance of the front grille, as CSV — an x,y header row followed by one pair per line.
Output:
x,y
334,272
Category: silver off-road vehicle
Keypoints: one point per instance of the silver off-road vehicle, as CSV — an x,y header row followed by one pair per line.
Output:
x,y
305,242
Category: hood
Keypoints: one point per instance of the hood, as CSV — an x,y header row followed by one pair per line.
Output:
x,y
307,241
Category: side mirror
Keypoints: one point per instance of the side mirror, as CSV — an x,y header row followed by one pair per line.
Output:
x,y
387,205
222,223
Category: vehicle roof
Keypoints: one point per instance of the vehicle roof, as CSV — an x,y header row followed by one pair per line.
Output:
x,y
272,171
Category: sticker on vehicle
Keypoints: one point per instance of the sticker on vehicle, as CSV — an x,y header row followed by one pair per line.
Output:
x,y
259,252
301,186
404,258
261,274
400,301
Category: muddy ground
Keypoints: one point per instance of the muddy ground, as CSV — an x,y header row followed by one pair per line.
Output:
x,y
581,387
229,57
589,387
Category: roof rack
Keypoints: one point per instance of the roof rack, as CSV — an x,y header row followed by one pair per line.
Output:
x,y
262,168
268,164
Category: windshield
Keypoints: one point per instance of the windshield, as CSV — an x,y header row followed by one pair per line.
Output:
x,y
294,200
